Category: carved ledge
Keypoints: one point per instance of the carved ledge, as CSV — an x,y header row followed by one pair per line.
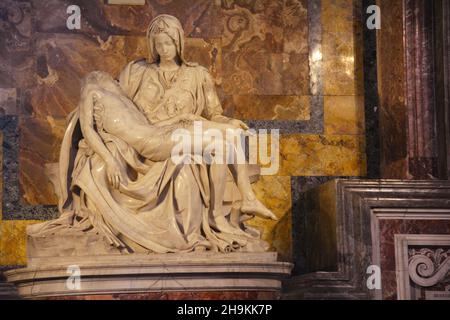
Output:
x,y
151,274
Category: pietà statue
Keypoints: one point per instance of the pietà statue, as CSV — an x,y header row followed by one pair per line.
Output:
x,y
116,175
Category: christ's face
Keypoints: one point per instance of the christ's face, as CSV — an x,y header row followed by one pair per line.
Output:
x,y
165,47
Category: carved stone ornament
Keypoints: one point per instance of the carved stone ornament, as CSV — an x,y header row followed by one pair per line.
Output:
x,y
429,267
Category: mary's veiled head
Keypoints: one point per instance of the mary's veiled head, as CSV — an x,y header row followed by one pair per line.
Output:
x,y
170,26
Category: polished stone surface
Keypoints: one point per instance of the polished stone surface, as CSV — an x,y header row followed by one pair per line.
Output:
x,y
36,151
275,192
350,225
16,56
371,99
341,39
344,115
177,295
391,84
13,207
199,18
275,107
8,100
388,228
8,291
322,155
13,242
157,274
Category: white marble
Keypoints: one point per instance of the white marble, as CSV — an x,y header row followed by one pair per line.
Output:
x,y
138,273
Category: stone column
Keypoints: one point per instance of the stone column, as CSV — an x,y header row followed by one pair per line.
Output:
x,y
412,145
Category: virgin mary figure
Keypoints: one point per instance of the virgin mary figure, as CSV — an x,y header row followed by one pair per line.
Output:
x,y
154,204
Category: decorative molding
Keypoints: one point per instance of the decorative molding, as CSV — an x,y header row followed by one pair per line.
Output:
x,y
425,267
428,267
379,214
426,34
142,273
360,205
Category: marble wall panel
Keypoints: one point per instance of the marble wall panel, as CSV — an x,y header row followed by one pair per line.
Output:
x,y
322,155
344,115
261,53
255,107
199,18
8,101
391,88
16,56
275,193
40,141
64,59
13,242
1,180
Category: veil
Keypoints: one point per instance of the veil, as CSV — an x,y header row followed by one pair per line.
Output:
x,y
171,26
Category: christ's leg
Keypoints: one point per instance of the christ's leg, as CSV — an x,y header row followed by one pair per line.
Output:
x,y
250,204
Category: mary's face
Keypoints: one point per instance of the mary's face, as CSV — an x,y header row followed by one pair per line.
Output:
x,y
165,47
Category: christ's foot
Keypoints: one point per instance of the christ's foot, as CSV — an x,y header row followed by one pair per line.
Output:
x,y
256,208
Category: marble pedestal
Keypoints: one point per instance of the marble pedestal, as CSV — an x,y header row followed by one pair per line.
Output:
x,y
8,291
154,276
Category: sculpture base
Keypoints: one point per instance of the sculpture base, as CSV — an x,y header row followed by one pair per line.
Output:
x,y
152,276
174,295
8,291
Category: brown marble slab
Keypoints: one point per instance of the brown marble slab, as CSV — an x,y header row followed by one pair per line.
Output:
x,y
261,53
8,101
391,86
207,53
257,107
16,60
254,71
40,141
322,155
275,194
13,242
64,59
295,22
340,48
344,115
199,18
